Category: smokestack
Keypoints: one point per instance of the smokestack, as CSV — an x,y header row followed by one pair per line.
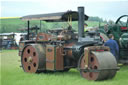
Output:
x,y
81,22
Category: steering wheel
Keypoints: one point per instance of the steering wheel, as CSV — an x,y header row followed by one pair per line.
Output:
x,y
122,21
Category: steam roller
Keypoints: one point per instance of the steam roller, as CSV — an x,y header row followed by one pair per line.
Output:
x,y
99,64
59,50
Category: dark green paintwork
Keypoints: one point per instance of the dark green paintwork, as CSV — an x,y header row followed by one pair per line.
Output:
x,y
120,36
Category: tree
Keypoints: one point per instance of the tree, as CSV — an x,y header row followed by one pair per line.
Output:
x,y
95,19
110,22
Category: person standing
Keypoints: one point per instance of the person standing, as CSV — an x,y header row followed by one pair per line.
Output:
x,y
85,27
112,44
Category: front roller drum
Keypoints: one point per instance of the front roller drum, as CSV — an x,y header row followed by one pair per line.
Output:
x,y
33,58
102,65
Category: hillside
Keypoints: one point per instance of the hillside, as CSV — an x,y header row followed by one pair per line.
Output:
x,y
14,24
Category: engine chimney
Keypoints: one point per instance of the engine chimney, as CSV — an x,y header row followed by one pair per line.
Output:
x,y
81,22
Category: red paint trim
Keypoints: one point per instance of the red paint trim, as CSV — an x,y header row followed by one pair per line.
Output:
x,y
102,37
124,28
99,50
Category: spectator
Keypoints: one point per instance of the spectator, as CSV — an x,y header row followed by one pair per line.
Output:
x,y
112,44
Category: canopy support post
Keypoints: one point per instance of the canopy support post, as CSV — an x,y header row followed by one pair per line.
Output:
x,y
28,30
40,25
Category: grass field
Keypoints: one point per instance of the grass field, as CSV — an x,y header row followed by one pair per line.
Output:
x,y
12,74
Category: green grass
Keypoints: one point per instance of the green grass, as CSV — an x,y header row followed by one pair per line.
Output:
x,y
12,74
14,24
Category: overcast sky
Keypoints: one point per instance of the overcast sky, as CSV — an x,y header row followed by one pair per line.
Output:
x,y
106,9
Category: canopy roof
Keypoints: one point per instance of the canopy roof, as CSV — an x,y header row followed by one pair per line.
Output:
x,y
54,17
6,34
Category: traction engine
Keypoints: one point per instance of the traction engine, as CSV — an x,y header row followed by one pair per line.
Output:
x,y
63,49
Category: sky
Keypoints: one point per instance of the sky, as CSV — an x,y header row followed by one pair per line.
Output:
x,y
106,9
